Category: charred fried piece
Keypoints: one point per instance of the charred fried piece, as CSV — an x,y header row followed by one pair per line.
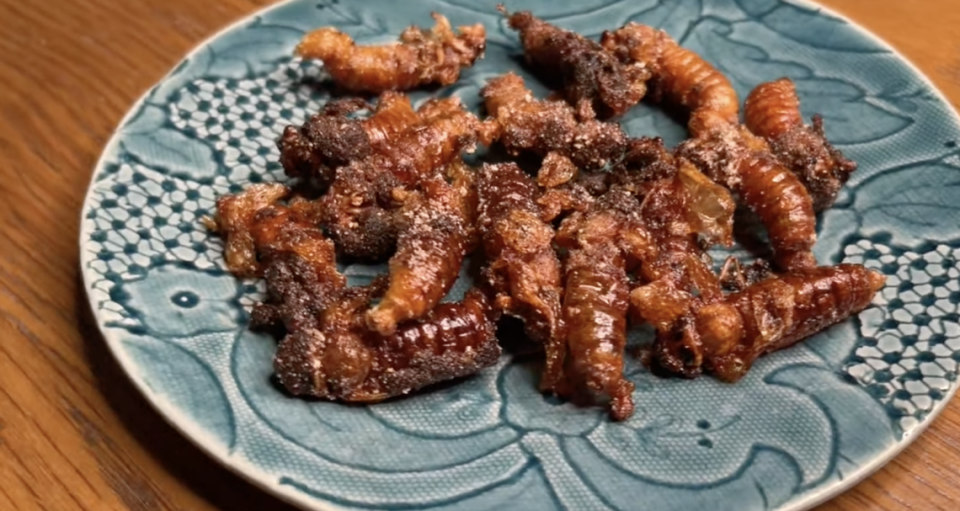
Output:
x,y
679,75
523,269
772,111
584,70
596,293
361,206
543,127
420,58
778,312
330,139
430,251
776,195
341,360
235,221
299,265
298,291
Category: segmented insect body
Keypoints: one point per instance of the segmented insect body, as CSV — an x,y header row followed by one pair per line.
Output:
x,y
420,58
772,111
430,251
679,76
341,360
773,314
774,193
523,269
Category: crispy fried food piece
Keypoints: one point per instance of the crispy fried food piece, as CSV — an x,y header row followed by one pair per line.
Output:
x,y
362,204
543,126
298,291
420,58
679,75
430,251
772,111
330,139
299,265
730,157
678,211
235,221
778,312
523,269
342,360
581,68
566,198
596,290
555,170
360,212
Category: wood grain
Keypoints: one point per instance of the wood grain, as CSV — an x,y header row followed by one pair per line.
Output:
x,y
74,433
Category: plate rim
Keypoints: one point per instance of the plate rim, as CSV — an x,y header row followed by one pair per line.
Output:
x,y
200,438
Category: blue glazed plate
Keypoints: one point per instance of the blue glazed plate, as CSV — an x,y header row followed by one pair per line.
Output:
x,y
805,424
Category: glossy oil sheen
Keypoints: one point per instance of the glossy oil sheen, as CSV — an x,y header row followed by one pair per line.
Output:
x,y
802,425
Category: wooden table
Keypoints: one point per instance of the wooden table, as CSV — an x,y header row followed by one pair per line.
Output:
x,y
74,433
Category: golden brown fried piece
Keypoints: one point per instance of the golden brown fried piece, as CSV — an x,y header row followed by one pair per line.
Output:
x,y
341,360
430,251
730,157
420,58
360,209
555,202
543,126
523,269
777,312
581,68
678,211
772,111
596,290
330,139
235,221
679,75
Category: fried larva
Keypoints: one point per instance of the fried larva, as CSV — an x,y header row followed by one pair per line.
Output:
x,y
779,311
679,75
341,360
772,111
543,126
330,139
596,290
728,156
522,269
584,70
430,251
420,58
361,205
235,221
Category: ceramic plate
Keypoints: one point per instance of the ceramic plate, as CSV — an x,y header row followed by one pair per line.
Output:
x,y
805,424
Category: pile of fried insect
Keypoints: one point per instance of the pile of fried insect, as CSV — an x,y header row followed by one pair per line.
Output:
x,y
611,230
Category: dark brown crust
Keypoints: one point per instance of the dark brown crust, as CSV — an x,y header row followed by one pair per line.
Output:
x,y
362,205
420,58
581,68
772,111
543,126
341,360
679,75
522,269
